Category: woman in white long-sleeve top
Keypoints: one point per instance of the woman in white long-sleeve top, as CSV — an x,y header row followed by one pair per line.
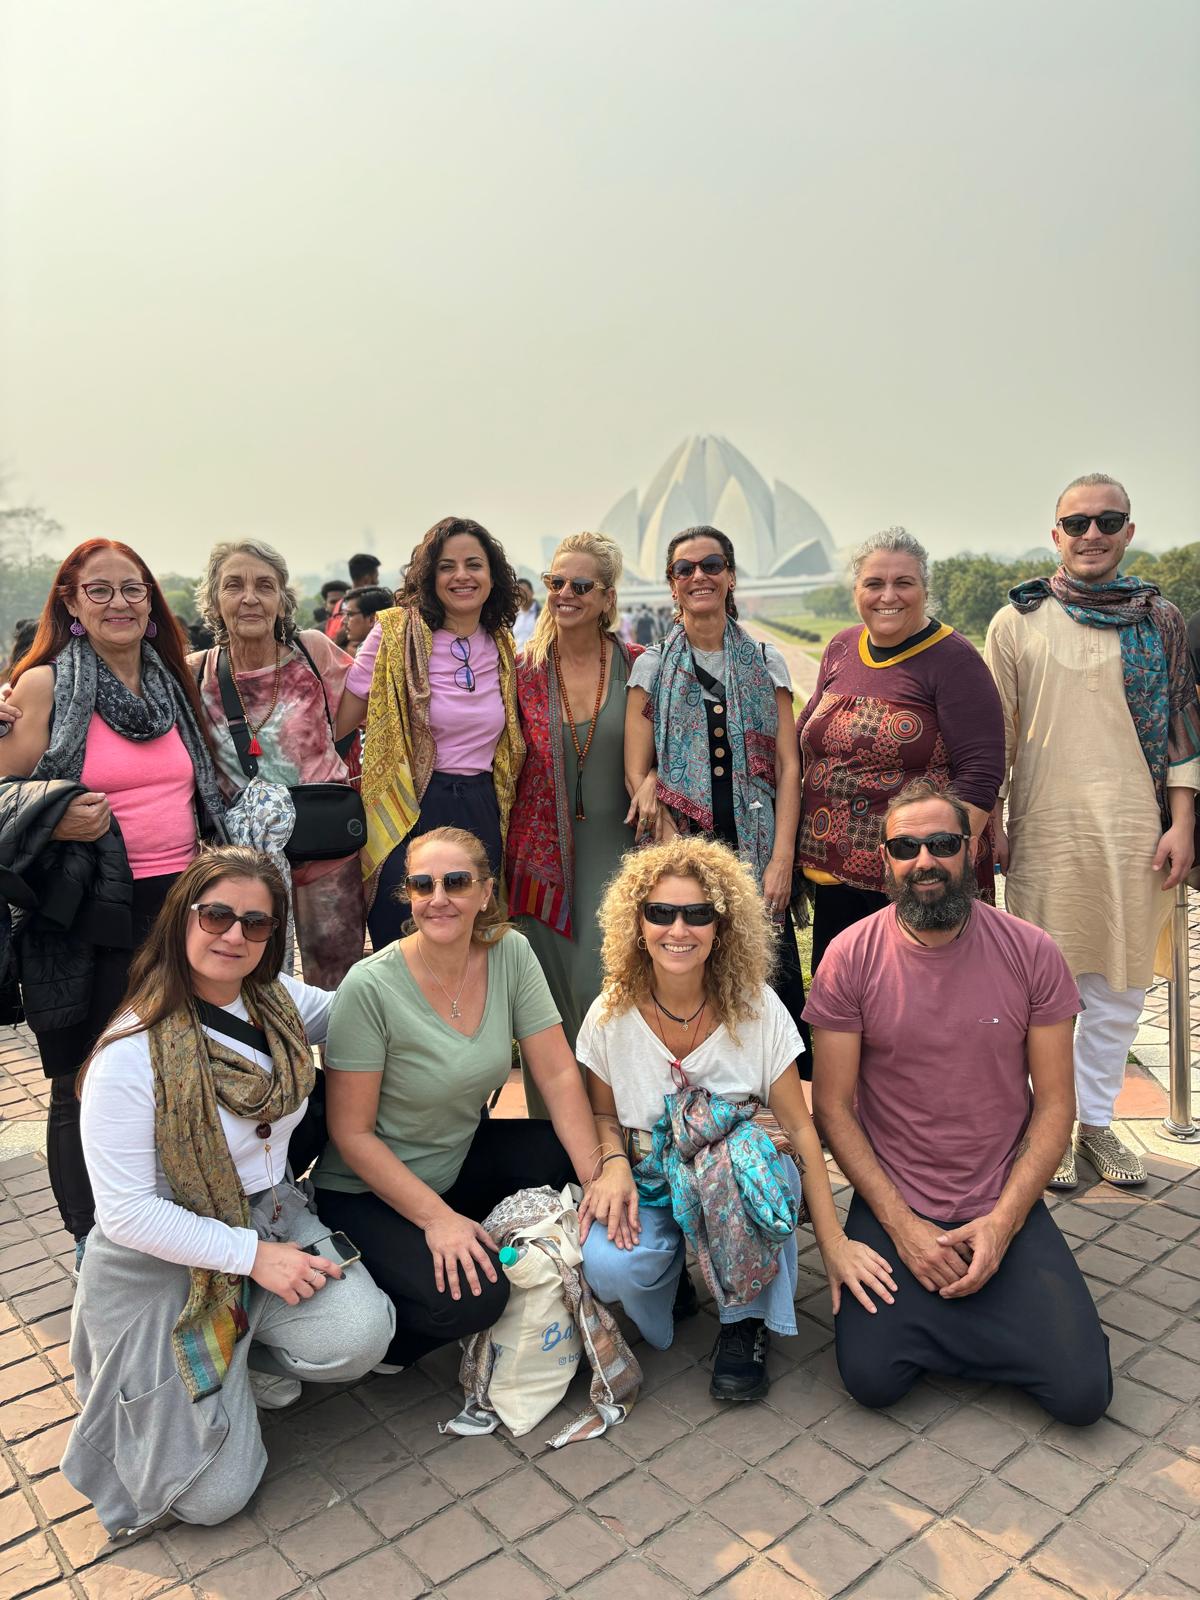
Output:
x,y
201,1294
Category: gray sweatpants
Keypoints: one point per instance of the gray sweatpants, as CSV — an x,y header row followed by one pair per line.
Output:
x,y
143,1448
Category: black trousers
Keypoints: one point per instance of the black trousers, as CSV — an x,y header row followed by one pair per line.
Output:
x,y
64,1050
1033,1324
505,1155
837,906
450,801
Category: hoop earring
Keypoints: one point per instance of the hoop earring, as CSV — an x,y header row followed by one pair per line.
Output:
x,y
77,628
717,942
641,943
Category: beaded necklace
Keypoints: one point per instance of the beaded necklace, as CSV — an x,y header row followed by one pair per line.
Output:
x,y
580,755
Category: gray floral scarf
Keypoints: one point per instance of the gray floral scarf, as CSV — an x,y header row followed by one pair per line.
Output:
x,y
83,683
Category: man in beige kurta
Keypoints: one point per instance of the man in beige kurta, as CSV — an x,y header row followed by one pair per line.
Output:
x,y
1086,853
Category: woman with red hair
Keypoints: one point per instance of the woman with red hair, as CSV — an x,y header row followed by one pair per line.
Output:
x,y
106,781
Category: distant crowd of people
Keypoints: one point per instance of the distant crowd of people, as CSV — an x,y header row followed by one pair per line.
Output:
x,y
590,834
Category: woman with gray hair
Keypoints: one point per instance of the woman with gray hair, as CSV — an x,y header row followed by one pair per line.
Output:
x,y
286,685
902,696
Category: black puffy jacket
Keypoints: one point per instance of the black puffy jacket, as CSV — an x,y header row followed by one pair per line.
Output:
x,y
59,899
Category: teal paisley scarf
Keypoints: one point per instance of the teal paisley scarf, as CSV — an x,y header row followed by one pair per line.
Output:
x,y
681,741
1160,689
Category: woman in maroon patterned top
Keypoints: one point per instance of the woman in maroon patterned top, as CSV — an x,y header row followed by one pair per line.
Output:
x,y
899,697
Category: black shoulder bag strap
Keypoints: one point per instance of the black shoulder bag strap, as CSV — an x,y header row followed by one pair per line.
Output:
x,y
340,745
222,1021
234,715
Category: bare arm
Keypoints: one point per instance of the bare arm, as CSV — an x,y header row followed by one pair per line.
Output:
x,y
26,742
612,1200
1176,847
351,714
645,814
777,879
835,1078
1052,1074
846,1261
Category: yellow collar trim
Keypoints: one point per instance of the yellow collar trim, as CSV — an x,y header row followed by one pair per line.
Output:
x,y
864,653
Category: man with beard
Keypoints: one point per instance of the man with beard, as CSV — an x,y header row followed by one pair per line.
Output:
x,y
943,1086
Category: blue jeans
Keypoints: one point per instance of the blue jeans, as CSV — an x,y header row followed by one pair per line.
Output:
x,y
643,1280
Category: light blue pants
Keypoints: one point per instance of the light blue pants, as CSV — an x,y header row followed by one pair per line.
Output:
x,y
643,1280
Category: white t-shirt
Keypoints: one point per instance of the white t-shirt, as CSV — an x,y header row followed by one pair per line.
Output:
x,y
630,1057
133,1198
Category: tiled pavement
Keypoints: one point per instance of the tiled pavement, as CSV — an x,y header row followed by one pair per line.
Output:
x,y
959,1491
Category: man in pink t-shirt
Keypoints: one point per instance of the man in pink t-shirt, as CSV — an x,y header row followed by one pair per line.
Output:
x,y
943,1083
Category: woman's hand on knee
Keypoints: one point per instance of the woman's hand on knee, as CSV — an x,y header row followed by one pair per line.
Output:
x,y
459,1245
860,1269
290,1272
612,1201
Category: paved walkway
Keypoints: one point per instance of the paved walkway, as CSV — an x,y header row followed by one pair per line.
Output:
x,y
959,1491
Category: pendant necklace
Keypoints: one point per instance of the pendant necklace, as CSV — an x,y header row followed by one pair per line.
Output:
x,y
677,1072
454,1011
255,749
683,1021
580,755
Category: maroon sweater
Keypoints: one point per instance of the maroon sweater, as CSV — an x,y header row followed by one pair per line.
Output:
x,y
868,729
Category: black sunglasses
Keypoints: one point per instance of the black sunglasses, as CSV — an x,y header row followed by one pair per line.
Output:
x,y
1109,522
556,583
420,885
683,568
257,926
662,913
906,847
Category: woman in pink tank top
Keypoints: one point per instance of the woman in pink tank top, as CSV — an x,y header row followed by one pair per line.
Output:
x,y
102,703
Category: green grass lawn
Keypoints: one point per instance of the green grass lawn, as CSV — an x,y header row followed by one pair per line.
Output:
x,y
825,626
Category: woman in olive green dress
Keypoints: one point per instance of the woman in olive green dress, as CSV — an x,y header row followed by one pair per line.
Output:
x,y
567,832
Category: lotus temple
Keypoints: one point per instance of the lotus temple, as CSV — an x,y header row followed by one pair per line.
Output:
x,y
783,547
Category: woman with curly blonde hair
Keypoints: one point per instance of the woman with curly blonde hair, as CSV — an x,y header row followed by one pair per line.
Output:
x,y
687,1006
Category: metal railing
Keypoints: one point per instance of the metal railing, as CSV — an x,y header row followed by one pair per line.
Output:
x,y
1178,1122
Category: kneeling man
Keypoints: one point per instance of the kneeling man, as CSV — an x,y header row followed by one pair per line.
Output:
x,y
944,1085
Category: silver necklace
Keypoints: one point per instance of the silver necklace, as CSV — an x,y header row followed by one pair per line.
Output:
x,y
454,1011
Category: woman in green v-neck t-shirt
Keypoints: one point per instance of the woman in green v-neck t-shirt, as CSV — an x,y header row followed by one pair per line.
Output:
x,y
420,1034
435,1079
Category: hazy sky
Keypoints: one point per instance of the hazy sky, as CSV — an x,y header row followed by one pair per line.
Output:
x,y
303,268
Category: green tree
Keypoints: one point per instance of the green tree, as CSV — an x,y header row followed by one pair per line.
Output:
x,y
1177,574
833,600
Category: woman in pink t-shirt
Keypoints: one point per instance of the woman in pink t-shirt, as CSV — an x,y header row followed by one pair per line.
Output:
x,y
437,681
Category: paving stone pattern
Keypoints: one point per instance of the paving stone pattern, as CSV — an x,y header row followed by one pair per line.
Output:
x,y
960,1490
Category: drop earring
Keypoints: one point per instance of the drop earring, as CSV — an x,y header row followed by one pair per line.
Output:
x,y
151,629
77,628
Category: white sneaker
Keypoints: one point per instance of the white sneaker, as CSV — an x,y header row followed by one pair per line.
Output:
x,y
272,1393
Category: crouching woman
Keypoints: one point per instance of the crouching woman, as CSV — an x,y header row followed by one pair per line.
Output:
x,y
199,1299
684,1044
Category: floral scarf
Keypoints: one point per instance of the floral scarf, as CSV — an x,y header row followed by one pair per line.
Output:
x,y
193,1075
399,753
540,858
681,741
1160,688
722,1177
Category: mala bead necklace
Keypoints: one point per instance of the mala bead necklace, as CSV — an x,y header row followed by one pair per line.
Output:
x,y
255,749
580,755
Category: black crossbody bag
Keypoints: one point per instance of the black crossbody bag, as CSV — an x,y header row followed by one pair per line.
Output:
x,y
330,820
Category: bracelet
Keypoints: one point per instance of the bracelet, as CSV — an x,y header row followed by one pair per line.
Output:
x,y
618,1155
